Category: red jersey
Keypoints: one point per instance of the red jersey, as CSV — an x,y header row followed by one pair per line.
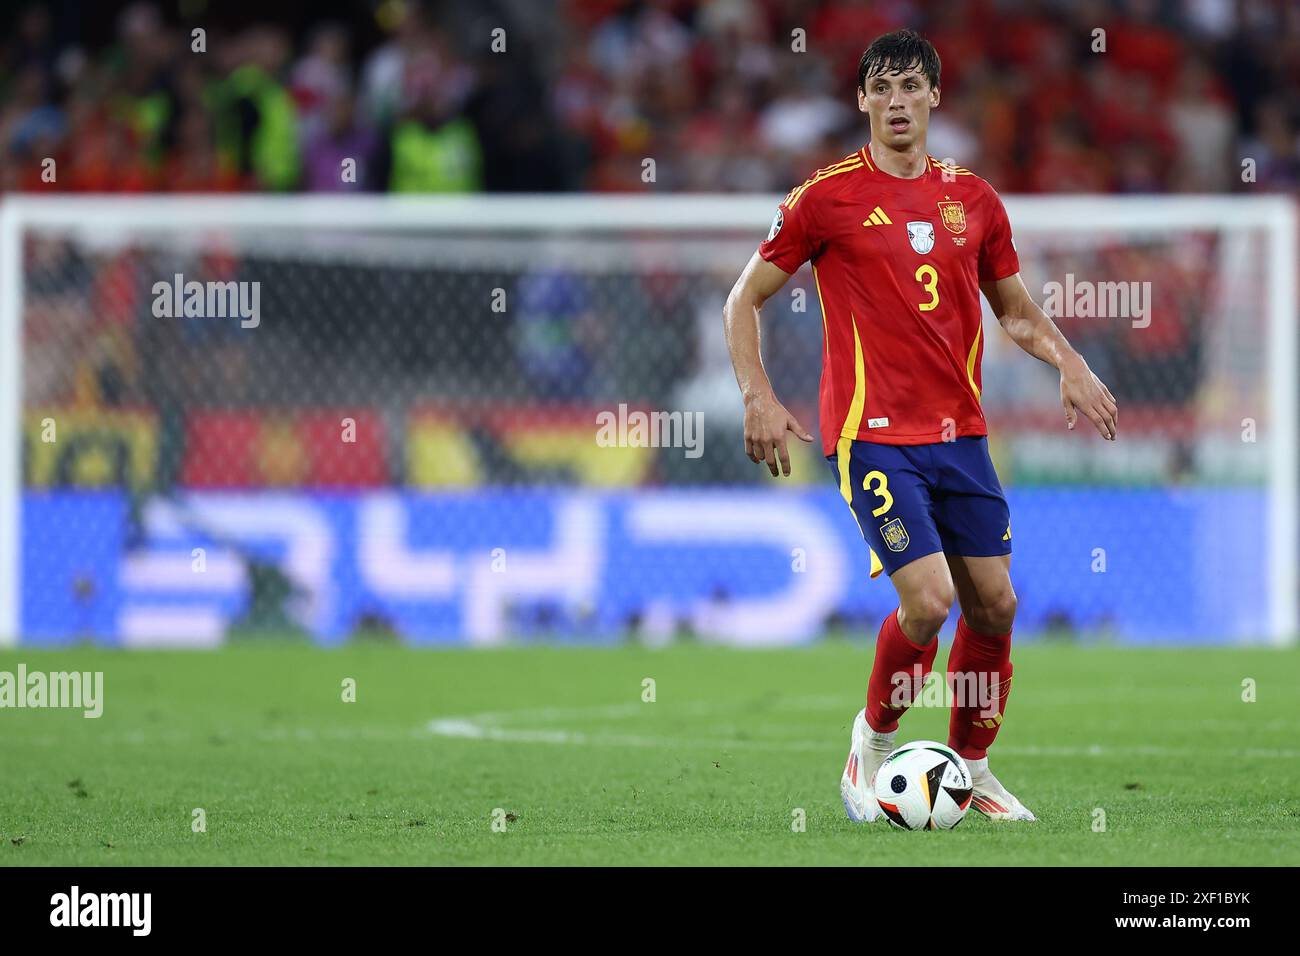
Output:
x,y
897,263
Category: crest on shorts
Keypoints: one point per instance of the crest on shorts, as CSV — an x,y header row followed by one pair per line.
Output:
x,y
921,236
953,214
895,535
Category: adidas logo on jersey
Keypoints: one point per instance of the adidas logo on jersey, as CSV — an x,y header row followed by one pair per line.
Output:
x,y
877,218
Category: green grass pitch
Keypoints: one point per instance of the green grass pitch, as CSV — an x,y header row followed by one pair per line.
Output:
x,y
557,745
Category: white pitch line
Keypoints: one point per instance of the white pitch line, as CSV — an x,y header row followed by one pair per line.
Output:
x,y
495,726
475,727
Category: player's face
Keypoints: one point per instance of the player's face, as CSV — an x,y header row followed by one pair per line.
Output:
x,y
898,105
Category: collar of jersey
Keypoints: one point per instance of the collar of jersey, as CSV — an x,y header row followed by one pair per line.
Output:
x,y
865,153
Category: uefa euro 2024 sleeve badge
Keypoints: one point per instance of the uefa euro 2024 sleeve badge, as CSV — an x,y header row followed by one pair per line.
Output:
x,y
777,221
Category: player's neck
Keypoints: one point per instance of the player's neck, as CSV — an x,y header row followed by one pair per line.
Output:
x,y
903,164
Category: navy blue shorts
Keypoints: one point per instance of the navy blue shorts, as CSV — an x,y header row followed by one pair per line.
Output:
x,y
914,500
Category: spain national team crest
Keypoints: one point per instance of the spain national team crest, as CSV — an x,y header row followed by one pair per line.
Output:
x,y
895,535
921,236
953,214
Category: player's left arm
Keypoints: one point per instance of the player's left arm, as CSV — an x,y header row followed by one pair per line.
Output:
x,y
1033,330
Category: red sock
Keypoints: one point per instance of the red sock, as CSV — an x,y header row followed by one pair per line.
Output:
x,y
979,673
896,675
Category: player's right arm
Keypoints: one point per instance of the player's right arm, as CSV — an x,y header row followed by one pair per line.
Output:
x,y
766,419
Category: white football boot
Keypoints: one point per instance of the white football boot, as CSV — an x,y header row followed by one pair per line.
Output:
x,y
992,799
867,752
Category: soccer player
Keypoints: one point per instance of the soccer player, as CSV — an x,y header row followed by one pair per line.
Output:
x,y
902,246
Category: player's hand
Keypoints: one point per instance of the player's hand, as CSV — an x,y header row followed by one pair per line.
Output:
x,y
1083,393
766,422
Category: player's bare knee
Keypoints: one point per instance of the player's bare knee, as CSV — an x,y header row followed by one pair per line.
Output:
x,y
924,614
995,615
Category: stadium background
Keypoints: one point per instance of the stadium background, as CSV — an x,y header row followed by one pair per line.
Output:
x,y
474,429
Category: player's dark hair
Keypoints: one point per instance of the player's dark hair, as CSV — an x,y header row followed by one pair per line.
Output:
x,y
896,52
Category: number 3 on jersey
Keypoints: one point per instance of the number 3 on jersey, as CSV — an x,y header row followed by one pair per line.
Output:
x,y
876,483
929,279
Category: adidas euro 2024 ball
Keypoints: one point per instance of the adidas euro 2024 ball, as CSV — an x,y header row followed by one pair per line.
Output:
x,y
924,785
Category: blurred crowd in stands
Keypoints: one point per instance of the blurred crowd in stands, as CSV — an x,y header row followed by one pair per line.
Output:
x,y
726,95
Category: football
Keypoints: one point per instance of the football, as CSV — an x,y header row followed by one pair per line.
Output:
x,y
924,785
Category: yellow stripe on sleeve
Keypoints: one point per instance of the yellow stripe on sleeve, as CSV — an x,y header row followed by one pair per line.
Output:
x,y
847,166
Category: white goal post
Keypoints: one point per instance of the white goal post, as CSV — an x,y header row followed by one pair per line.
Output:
x,y
102,217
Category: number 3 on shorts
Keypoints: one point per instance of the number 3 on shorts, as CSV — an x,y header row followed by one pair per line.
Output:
x,y
880,490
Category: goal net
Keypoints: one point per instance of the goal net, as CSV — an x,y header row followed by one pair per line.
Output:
x,y
481,419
